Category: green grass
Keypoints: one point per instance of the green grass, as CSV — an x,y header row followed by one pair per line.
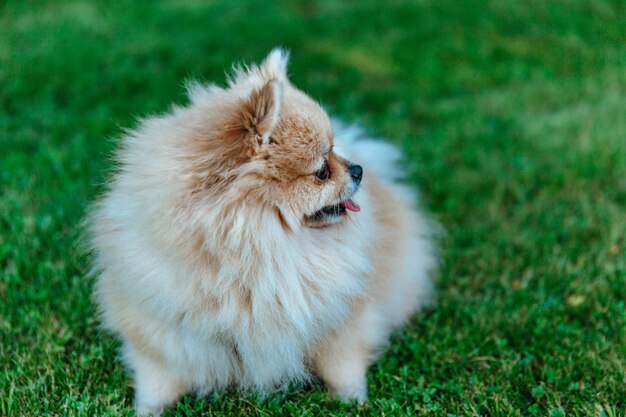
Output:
x,y
512,117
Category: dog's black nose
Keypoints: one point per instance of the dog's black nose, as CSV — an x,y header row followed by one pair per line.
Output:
x,y
356,172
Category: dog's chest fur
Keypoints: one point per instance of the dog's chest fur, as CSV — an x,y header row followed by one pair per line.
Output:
x,y
267,311
251,312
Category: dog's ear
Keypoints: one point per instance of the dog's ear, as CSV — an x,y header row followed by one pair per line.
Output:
x,y
273,67
261,112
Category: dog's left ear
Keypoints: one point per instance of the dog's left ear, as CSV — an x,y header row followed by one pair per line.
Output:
x,y
261,111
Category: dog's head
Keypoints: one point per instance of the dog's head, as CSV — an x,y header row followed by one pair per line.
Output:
x,y
279,141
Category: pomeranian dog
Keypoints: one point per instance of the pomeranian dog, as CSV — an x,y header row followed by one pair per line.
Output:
x,y
248,240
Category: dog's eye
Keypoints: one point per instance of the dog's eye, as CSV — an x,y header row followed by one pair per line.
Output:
x,y
324,173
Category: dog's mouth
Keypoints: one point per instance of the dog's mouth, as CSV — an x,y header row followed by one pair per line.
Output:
x,y
331,214
341,208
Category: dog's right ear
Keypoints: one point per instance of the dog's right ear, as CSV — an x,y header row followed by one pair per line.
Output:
x,y
260,112
274,66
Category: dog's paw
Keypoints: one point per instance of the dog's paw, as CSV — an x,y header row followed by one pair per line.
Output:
x,y
354,393
143,410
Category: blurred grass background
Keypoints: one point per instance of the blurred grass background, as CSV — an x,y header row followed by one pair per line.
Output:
x,y
512,117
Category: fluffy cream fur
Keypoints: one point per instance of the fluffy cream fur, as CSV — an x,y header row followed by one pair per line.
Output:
x,y
211,263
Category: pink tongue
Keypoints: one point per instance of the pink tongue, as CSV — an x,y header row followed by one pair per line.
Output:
x,y
351,205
